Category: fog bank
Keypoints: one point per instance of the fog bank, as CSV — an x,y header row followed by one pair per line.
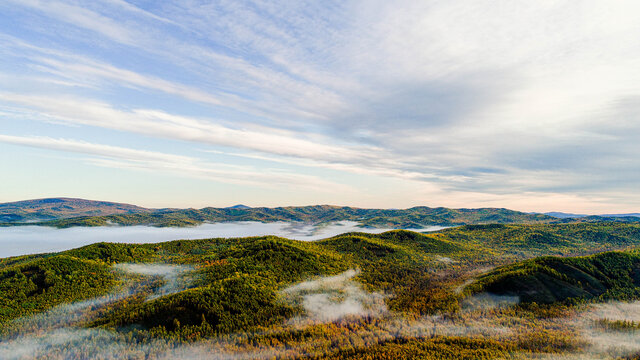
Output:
x,y
23,240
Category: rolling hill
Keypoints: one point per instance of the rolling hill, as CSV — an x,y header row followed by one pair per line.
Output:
x,y
545,280
249,296
399,262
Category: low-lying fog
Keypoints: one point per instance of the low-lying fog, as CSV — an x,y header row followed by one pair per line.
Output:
x,y
22,240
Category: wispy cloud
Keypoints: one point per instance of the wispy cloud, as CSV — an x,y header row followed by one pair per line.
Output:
x,y
126,158
81,17
159,123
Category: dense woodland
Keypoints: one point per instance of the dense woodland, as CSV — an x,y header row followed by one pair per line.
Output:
x,y
476,291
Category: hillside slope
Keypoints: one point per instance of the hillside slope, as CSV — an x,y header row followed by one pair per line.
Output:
x,y
605,276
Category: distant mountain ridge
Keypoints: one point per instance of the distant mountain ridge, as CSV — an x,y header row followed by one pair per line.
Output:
x,y
562,215
68,212
621,215
61,208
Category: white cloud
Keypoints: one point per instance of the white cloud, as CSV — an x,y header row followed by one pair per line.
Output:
x,y
162,124
81,17
94,149
125,158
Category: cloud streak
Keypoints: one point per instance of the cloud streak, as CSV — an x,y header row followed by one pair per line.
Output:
x,y
143,160
161,124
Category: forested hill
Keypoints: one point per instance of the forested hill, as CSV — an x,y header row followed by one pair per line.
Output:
x,y
255,288
399,262
603,276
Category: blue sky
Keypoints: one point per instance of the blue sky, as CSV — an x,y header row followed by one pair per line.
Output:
x,y
527,105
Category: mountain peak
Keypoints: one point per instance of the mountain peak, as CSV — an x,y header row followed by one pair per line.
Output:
x,y
239,206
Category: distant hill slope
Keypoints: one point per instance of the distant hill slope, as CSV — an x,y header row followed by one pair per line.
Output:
x,y
416,217
622,215
60,208
561,215
609,275
413,218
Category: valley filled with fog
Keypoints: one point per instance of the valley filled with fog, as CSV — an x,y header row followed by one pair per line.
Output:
x,y
23,240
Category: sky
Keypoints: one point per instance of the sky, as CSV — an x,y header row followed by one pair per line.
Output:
x,y
528,105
